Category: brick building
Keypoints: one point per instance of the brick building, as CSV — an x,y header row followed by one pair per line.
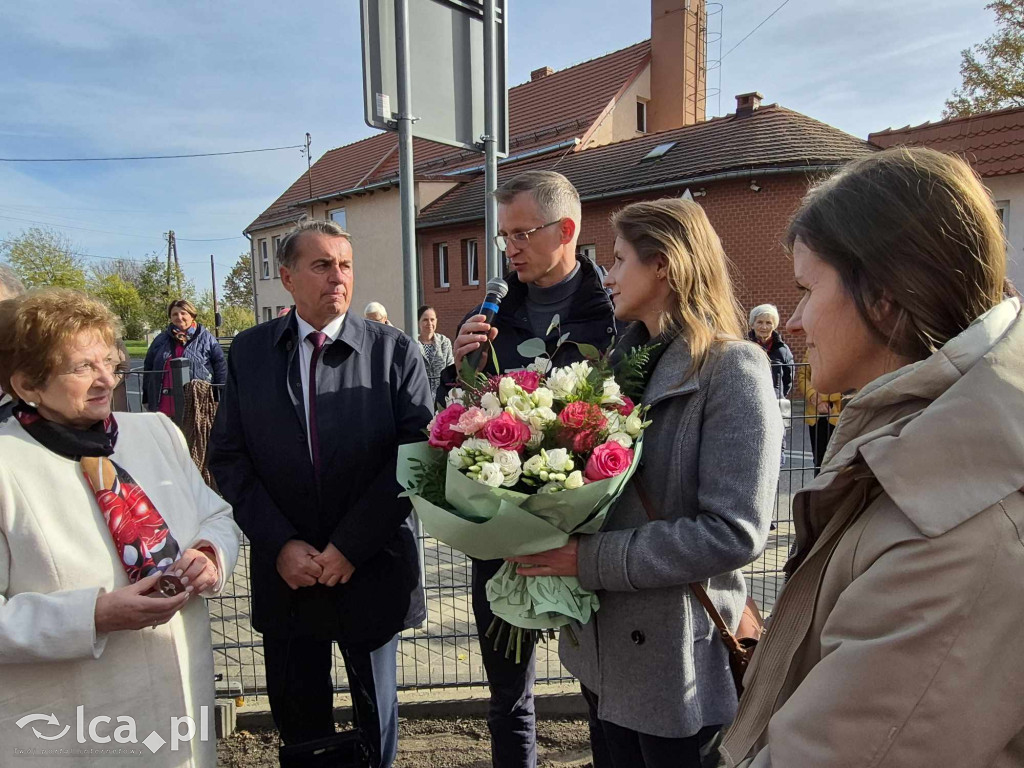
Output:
x,y
749,170
993,143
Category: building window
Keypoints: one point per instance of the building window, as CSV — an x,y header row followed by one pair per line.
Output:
x,y
264,260
1003,209
588,252
266,315
275,248
641,116
339,218
472,263
441,257
280,309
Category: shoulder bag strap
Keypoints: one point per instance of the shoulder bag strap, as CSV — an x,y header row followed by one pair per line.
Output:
x,y
698,589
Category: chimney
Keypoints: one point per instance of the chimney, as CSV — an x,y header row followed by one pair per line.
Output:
x,y
539,74
747,103
678,64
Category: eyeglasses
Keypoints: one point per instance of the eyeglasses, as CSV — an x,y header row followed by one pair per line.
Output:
x,y
92,371
521,239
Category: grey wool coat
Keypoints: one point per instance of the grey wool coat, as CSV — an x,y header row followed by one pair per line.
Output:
x,y
710,464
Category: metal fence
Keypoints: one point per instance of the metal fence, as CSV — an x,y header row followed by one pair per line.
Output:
x,y
444,652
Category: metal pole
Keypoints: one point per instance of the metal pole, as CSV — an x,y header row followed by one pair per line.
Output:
x,y
181,374
490,138
406,183
216,314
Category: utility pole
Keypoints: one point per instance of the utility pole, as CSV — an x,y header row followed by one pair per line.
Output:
x,y
309,165
216,314
171,247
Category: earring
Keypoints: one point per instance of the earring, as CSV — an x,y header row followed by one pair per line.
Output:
x,y
30,404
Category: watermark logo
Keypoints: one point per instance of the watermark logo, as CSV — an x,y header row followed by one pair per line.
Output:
x,y
97,730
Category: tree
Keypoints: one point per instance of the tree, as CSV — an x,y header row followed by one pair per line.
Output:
x,y
151,284
238,284
993,71
44,257
123,299
236,319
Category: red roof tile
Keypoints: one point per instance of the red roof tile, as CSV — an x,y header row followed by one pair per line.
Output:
x,y
770,137
992,142
541,113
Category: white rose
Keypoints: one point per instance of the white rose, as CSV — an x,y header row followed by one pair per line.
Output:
x,y
507,387
536,438
491,475
479,445
581,370
574,480
454,396
508,461
634,424
558,459
614,421
621,438
562,383
612,394
543,397
541,417
491,404
520,406
540,364
534,465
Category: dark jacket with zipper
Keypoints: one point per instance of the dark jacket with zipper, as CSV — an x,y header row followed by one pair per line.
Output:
x,y
590,320
783,364
203,352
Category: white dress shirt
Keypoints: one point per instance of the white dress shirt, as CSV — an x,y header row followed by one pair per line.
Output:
x,y
333,330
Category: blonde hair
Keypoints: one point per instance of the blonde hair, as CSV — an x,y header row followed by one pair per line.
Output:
x,y
704,309
37,328
184,304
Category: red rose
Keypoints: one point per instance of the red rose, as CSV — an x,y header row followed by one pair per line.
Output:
x,y
582,416
528,380
441,433
627,407
506,432
608,460
584,442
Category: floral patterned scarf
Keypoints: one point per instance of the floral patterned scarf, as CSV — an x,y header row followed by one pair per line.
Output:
x,y
144,543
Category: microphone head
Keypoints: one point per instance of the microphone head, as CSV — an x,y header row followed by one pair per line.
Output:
x,y
498,287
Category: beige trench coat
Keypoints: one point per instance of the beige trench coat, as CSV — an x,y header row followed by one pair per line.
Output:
x,y
895,641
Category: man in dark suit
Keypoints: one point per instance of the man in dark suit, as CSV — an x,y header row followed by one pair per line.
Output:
x,y
305,448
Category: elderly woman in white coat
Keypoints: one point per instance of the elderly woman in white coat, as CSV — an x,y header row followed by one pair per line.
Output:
x,y
109,539
654,671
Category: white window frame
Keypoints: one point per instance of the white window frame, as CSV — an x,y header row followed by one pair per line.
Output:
x,y
267,316
339,217
640,103
472,263
442,266
275,248
590,251
264,260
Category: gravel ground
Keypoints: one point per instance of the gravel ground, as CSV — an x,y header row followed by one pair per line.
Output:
x,y
462,743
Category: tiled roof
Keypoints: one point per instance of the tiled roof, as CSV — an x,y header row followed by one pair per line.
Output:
x,y
770,137
541,113
992,142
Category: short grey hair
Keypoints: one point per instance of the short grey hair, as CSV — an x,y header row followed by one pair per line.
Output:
x,y
764,309
10,285
554,194
286,252
375,308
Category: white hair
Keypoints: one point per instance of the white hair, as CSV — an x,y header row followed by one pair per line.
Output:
x,y
375,308
764,309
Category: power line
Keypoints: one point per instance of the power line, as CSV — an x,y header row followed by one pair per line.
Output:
x,y
754,30
119,234
140,157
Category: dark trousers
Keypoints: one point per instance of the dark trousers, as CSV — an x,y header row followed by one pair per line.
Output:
x,y
302,696
510,717
821,432
616,747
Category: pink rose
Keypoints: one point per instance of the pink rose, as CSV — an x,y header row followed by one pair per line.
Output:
x,y
584,442
582,416
441,433
528,380
506,432
608,460
627,407
471,422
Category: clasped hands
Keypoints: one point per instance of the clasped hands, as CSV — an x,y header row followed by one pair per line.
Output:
x,y
303,565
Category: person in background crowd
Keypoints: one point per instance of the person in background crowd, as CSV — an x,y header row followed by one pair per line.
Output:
x,y
538,227
821,412
764,322
93,511
436,347
183,337
305,446
10,286
375,311
654,671
888,643
284,311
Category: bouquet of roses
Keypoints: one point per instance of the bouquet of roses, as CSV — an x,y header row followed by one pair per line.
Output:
x,y
517,463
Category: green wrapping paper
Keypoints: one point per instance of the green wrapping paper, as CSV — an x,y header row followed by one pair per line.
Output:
x,y
494,523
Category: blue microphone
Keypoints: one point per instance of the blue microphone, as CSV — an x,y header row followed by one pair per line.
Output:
x,y
496,290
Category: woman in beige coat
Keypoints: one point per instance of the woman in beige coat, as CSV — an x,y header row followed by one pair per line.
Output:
x,y
894,640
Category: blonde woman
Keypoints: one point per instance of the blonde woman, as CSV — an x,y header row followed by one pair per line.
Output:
x,y
654,671
890,643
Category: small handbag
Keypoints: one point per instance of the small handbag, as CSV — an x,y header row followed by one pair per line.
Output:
x,y
739,645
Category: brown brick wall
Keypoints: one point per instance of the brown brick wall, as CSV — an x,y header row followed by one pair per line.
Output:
x,y
751,225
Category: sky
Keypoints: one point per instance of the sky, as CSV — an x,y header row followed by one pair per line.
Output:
x,y
138,77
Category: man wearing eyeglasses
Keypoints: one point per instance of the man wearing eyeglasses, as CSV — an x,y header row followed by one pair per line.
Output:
x,y
10,286
538,225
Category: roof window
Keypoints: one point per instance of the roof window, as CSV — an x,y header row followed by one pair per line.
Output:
x,y
658,151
